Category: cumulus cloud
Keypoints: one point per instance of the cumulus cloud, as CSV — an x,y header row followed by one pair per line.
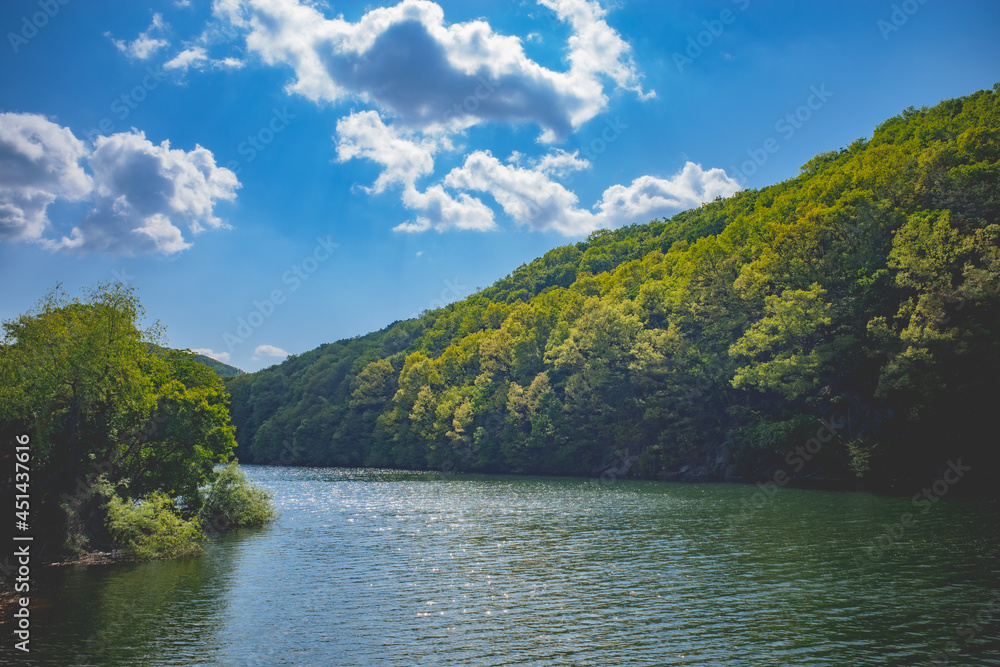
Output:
x,y
22,214
531,198
559,163
139,193
531,195
429,81
39,162
429,74
197,58
228,63
194,56
651,197
208,352
37,153
439,210
224,26
527,195
595,48
268,351
232,12
404,160
145,45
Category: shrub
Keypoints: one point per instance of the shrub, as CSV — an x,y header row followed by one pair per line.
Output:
x,y
151,528
231,501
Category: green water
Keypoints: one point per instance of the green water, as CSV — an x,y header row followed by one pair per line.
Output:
x,y
390,568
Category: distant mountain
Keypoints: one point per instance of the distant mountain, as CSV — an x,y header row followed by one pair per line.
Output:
x,y
842,324
223,370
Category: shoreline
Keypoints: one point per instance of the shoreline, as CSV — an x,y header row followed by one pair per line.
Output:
x,y
895,487
9,597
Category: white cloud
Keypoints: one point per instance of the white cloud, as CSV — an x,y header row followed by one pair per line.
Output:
x,y
37,153
229,63
22,214
208,352
559,163
441,211
268,351
39,162
527,195
651,197
595,48
194,56
145,45
230,11
227,19
139,192
428,74
404,161
429,80
531,198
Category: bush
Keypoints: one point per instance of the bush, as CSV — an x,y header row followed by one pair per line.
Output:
x,y
151,528
231,501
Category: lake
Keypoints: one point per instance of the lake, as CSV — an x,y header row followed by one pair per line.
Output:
x,y
394,568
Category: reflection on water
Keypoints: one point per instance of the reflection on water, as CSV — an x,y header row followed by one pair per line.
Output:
x,y
381,567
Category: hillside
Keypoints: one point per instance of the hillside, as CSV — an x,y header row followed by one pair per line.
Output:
x,y
841,324
221,369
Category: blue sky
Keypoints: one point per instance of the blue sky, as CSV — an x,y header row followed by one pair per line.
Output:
x,y
332,167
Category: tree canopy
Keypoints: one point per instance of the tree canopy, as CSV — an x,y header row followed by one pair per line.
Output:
x,y
864,289
112,417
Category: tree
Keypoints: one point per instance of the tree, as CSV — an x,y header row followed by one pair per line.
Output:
x,y
787,349
868,283
107,409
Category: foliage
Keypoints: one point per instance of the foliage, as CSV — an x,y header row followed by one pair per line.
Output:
x,y
151,528
222,369
786,348
231,501
863,290
106,407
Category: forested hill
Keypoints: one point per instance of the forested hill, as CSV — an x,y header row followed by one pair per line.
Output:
x,y
221,369
844,323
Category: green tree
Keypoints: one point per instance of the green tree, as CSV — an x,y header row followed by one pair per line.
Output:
x,y
106,406
787,350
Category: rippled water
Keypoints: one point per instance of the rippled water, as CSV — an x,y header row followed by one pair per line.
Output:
x,y
391,568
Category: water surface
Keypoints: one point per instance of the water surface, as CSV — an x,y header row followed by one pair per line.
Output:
x,y
394,568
